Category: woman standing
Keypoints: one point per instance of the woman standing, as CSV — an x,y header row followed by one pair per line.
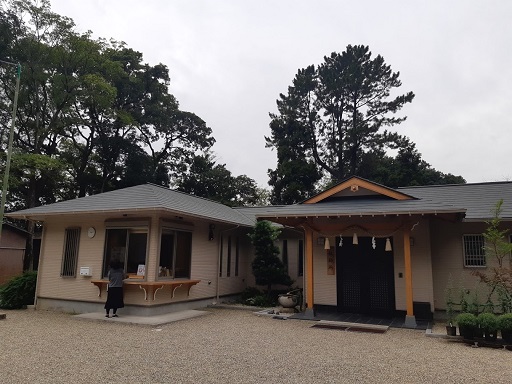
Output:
x,y
115,288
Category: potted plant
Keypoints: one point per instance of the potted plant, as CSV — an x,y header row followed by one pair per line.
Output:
x,y
488,323
451,329
468,325
505,326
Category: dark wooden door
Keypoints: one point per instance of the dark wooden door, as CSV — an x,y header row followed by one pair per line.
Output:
x,y
365,277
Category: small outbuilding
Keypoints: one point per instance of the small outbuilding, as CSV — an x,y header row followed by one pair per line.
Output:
x,y
12,251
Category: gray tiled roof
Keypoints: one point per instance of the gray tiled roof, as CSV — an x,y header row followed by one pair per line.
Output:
x,y
478,198
139,198
351,207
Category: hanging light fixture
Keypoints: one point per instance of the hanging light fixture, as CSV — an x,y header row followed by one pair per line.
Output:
x,y
355,240
341,240
388,245
374,244
327,245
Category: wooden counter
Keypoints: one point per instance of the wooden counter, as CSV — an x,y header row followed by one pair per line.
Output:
x,y
150,288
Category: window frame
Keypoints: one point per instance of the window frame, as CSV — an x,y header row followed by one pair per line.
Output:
x,y
174,231
284,254
228,260
221,254
237,255
300,258
129,230
475,258
70,266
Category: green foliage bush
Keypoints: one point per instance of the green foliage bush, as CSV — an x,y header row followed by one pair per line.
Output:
x,y
261,301
254,297
488,322
19,291
267,268
467,320
249,293
505,322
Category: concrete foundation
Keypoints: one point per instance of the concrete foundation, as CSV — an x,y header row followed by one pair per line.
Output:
x,y
70,306
410,322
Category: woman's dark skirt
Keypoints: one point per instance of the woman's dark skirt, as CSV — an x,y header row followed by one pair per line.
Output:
x,y
114,298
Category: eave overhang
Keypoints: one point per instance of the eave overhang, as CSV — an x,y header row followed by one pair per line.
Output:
x,y
121,212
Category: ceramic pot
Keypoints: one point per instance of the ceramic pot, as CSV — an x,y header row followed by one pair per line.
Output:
x,y
288,300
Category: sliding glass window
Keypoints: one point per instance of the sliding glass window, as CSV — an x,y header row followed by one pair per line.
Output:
x,y
175,254
129,247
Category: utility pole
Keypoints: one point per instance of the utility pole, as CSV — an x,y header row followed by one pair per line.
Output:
x,y
9,146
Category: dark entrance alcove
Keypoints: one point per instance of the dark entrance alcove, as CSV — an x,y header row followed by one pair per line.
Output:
x,y
365,277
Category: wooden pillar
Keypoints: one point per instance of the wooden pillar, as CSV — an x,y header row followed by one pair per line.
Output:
x,y
153,247
410,319
310,292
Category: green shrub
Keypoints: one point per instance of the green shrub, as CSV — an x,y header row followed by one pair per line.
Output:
x,y
261,301
505,322
466,320
248,294
488,322
19,291
253,296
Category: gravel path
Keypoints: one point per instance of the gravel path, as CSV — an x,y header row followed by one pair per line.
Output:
x,y
232,346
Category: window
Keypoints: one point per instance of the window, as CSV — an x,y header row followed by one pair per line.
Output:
x,y
129,247
237,255
221,254
285,255
175,253
474,251
228,268
70,253
301,258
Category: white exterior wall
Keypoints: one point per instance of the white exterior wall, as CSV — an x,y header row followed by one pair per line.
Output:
x,y
324,284
50,283
90,254
233,284
421,266
448,260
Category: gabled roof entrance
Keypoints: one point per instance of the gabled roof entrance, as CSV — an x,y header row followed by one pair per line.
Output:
x,y
357,187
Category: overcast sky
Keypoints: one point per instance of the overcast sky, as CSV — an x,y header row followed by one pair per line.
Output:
x,y
230,59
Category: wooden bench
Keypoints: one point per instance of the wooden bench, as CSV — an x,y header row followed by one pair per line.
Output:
x,y
150,288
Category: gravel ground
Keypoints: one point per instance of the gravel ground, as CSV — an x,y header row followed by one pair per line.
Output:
x,y
232,346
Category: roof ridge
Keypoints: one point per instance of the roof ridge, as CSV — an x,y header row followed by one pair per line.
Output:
x,y
455,185
196,197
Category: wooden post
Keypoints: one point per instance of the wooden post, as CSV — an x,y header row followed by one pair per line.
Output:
x,y
310,293
410,319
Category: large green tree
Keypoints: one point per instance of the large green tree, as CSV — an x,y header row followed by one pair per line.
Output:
x,y
209,179
93,107
92,116
332,124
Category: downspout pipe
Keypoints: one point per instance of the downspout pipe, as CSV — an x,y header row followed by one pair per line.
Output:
x,y
217,288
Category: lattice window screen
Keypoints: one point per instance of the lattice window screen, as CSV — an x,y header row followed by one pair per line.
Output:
x,y
474,251
70,253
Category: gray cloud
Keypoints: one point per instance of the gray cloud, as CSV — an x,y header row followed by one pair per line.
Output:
x,y
229,60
